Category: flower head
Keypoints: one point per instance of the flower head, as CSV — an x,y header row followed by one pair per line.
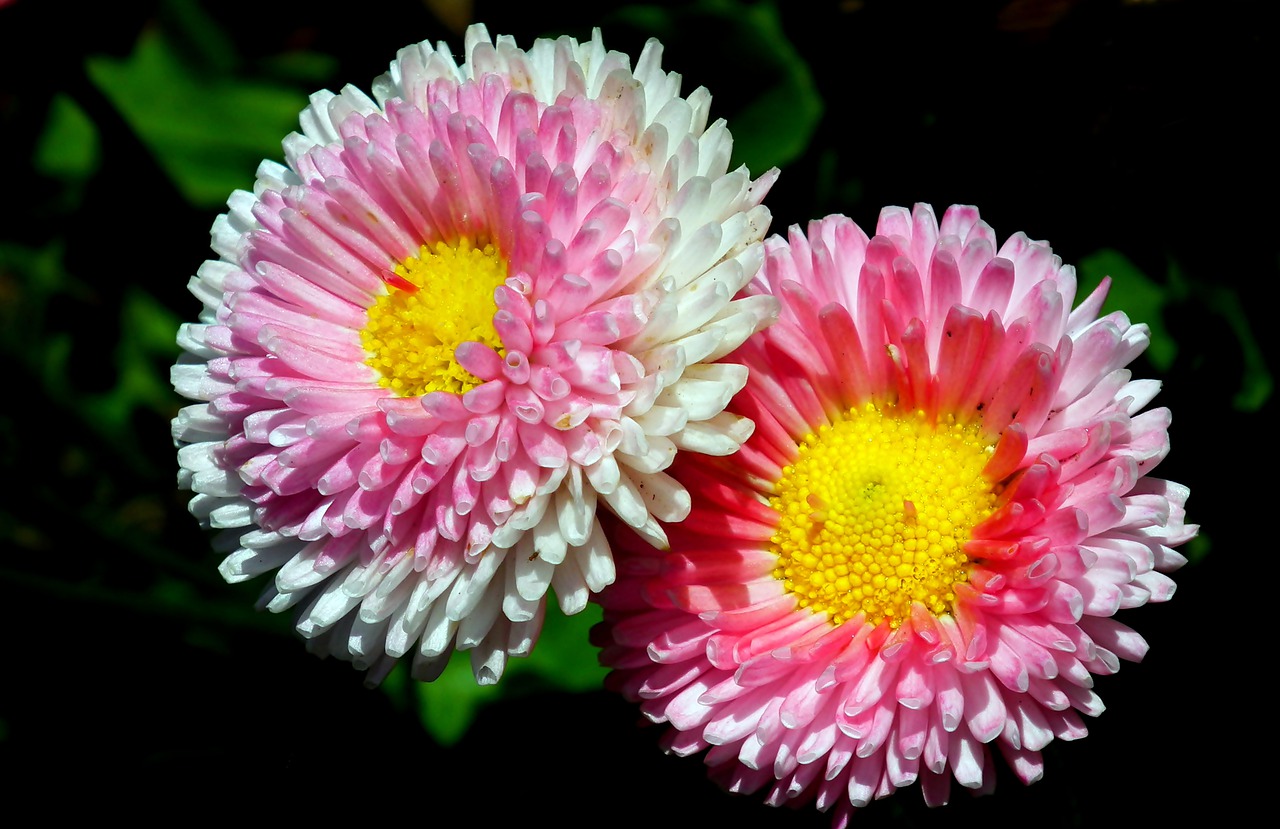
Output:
x,y
919,554
464,311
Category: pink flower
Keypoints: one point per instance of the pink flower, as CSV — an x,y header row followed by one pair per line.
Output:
x,y
919,554
465,311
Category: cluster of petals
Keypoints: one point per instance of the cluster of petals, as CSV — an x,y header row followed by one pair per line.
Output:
x,y
416,525
940,318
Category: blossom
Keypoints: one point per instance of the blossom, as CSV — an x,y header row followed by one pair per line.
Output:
x,y
464,312
919,555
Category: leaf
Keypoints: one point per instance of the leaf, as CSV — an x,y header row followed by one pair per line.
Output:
x,y
562,660
1145,300
68,148
776,127
759,82
208,130
36,287
1135,293
1256,382
146,338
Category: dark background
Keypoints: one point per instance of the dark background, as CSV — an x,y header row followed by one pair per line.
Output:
x,y
1129,134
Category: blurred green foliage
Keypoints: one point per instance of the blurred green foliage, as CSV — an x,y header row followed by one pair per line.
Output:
x,y
207,130
1145,300
754,53
69,147
448,705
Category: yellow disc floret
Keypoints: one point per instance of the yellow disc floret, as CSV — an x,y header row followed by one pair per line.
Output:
x,y
875,513
446,299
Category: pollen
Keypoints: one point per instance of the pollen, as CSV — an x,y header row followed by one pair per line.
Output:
x,y
874,514
443,297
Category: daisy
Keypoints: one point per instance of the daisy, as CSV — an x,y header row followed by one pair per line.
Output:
x,y
918,556
466,311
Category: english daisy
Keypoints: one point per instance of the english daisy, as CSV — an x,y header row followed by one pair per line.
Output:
x,y
919,555
464,311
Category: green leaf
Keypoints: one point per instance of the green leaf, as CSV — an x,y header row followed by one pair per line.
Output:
x,y
208,130
36,281
1135,293
1197,548
1256,382
146,337
146,344
69,147
563,660
1145,300
776,128
33,281
758,81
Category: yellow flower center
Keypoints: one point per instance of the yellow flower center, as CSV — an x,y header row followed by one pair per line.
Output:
x,y
446,298
875,513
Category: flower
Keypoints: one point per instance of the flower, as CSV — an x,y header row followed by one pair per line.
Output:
x,y
462,313
919,554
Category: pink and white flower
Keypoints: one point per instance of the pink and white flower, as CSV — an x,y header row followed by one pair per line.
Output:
x,y
463,312
919,555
